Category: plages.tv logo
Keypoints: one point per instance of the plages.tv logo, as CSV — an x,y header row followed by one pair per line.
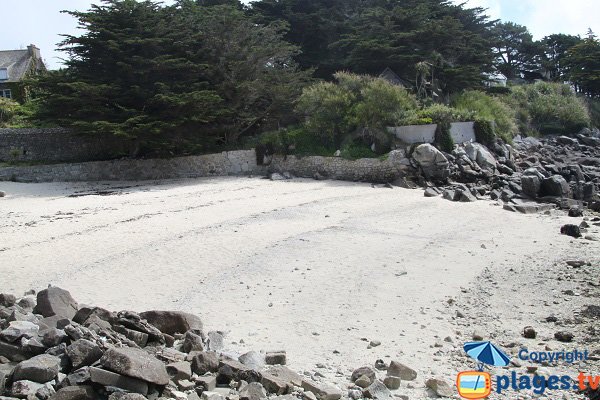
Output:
x,y
478,384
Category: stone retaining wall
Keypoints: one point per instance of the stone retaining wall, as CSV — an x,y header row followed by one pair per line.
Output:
x,y
366,169
58,145
242,162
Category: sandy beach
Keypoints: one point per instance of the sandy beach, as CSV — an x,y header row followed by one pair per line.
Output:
x,y
316,268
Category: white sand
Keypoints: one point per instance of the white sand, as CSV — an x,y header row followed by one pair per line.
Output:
x,y
309,267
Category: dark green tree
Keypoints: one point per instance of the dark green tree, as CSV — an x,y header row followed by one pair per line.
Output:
x,y
193,72
515,50
583,61
555,48
365,36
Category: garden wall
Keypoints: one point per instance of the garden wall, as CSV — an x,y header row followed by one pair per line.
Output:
x,y
460,131
58,145
242,162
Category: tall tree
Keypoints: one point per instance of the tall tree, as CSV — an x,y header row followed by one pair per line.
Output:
x,y
583,61
155,73
365,36
515,50
555,48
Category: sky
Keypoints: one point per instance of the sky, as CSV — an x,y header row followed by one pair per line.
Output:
x,y
40,22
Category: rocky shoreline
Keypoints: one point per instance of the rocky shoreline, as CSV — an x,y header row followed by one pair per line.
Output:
x,y
52,348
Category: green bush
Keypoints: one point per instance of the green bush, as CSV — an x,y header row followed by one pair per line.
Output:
x,y
594,109
548,108
484,131
489,108
440,113
443,136
354,104
10,111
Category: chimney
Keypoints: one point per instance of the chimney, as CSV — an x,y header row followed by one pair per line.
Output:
x,y
34,51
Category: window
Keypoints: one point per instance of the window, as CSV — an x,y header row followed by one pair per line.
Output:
x,y
6,93
3,74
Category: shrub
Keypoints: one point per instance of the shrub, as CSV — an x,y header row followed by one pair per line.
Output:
x,y
594,110
549,108
10,110
489,108
443,137
355,150
440,113
354,104
484,131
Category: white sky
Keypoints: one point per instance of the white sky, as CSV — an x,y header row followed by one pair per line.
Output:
x,y
40,21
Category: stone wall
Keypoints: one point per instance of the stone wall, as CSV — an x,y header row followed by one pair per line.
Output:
x,y
242,162
58,145
461,132
366,169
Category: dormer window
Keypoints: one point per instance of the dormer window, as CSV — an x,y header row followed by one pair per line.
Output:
x,y
3,74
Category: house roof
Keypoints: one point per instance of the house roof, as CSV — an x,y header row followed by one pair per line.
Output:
x,y
392,77
18,62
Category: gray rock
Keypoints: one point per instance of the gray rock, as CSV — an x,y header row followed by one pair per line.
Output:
x,y
126,396
276,358
215,341
440,387
363,381
323,392
55,301
285,374
41,369
19,329
135,363
14,352
377,390
531,185
83,392
252,359
273,384
83,353
2,194
53,337
402,371
108,378
431,192
565,140
25,389
204,362
433,162
466,196
564,336
556,186
179,370
392,382
208,395
253,391
172,322
7,300
207,382
27,303
192,342
363,371
529,332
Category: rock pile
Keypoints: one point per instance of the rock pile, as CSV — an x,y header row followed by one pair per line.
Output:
x,y
52,348
531,176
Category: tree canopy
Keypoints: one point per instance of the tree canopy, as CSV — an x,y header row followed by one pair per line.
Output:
x,y
152,73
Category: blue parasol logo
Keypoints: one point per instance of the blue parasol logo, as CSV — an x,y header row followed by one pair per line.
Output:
x,y
486,353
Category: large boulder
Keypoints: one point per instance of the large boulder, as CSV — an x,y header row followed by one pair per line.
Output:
x,y
55,301
135,363
531,185
19,329
433,162
82,353
555,186
172,322
481,155
41,369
